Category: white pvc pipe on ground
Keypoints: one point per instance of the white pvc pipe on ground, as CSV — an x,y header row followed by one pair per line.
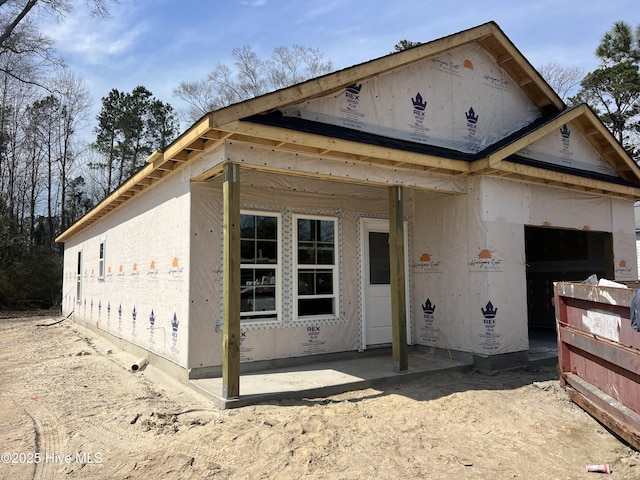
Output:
x,y
139,365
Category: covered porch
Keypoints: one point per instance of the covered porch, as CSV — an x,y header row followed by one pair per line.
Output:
x,y
351,371
231,281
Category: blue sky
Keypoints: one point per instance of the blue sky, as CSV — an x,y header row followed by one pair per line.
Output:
x,y
159,43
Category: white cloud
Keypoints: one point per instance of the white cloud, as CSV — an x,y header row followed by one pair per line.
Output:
x,y
93,40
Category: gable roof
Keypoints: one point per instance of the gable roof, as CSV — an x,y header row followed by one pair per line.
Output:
x,y
256,121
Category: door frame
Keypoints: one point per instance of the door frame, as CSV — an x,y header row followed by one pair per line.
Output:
x,y
380,224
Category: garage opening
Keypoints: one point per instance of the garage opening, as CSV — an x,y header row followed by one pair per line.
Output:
x,y
554,254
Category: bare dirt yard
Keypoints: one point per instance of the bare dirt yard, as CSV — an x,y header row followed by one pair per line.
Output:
x,y
70,410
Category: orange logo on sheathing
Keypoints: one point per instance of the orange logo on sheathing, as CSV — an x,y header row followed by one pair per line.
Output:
x,y
486,261
428,264
175,270
484,253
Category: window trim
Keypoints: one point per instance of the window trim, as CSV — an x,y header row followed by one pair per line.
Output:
x,y
249,318
102,254
79,276
335,269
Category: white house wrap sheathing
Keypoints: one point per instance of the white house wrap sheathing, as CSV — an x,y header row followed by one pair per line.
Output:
x,y
422,102
567,147
466,275
624,240
143,295
468,265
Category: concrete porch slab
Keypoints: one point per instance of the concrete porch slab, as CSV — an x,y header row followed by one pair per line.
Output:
x,y
323,379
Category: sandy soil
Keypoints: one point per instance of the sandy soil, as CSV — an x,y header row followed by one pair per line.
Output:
x,y
69,409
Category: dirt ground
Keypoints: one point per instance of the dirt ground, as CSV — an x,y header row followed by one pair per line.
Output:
x,y
69,409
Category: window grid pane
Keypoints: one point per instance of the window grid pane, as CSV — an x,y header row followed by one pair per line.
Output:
x,y
258,293
316,242
316,248
259,284
258,239
315,282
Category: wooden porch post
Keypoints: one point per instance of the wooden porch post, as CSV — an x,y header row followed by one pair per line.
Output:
x,y
398,303
231,282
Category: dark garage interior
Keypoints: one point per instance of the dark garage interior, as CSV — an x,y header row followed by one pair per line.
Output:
x,y
555,254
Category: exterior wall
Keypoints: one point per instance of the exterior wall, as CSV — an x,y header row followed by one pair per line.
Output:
x,y
624,240
440,286
469,251
143,297
466,258
286,196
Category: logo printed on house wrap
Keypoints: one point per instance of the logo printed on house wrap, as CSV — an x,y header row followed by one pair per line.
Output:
x,y
352,117
485,262
427,264
490,340
419,108
174,333
245,350
352,94
153,270
565,135
623,270
152,323
134,315
314,344
175,272
472,122
428,330
444,65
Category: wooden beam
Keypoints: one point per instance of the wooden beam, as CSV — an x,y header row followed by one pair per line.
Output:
x,y
575,182
231,282
342,148
398,303
208,174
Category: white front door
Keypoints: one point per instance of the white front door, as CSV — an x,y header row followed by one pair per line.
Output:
x,y
376,282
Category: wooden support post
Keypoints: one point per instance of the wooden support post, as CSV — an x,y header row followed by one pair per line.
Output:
x,y
398,302
231,282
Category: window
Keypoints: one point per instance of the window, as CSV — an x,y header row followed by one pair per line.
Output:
x,y
101,259
259,266
79,278
316,270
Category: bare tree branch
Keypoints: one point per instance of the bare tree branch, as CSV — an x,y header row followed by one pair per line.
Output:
x,y
564,80
251,77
